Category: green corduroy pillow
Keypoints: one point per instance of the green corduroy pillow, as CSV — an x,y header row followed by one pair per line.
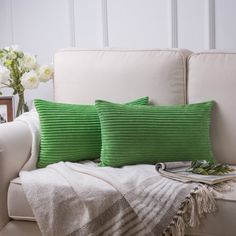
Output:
x,y
70,132
150,134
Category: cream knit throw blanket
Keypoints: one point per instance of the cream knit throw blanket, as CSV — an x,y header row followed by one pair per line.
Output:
x,y
84,199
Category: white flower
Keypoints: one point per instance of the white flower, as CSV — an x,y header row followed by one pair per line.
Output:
x,y
8,48
4,75
30,80
28,62
45,73
13,48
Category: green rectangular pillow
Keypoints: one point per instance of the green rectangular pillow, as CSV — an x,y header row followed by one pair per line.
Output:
x,y
70,132
150,134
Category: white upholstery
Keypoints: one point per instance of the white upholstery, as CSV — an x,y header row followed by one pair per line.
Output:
x,y
211,225
20,228
212,76
18,207
82,76
221,223
15,143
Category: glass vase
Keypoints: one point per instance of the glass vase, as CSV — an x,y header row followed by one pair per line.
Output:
x,y
22,106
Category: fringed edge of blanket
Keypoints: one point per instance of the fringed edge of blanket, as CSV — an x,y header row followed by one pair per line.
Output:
x,y
199,202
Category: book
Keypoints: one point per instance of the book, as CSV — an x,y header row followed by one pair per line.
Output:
x,y
180,171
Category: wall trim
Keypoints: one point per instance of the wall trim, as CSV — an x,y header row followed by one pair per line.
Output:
x,y
105,37
211,24
173,24
72,22
12,36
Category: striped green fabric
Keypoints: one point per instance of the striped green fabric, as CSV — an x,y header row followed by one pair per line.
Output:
x,y
69,132
150,134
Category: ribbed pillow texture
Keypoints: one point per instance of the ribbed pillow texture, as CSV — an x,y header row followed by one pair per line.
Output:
x,y
69,132
151,134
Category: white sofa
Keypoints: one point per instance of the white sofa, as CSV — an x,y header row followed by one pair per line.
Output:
x,y
167,77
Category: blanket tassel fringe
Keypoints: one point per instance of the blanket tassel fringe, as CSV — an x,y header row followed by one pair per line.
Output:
x,y
199,202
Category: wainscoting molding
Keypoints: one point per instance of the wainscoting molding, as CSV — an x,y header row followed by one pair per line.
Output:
x,y
72,22
211,24
173,14
105,36
89,24
11,22
174,24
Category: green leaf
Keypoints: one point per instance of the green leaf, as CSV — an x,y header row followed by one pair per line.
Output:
x,y
204,167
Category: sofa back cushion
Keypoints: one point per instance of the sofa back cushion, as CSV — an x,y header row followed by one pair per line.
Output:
x,y
82,76
212,76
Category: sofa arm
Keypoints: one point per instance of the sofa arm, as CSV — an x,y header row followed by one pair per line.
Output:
x,y
15,145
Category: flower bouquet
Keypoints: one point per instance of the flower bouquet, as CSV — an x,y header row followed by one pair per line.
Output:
x,y
20,71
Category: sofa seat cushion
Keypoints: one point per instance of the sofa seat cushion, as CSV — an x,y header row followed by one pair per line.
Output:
x,y
222,222
18,206
20,228
215,224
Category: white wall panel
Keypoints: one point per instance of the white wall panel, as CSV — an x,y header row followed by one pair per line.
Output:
x,y
225,13
41,27
44,26
88,23
138,23
5,23
193,24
